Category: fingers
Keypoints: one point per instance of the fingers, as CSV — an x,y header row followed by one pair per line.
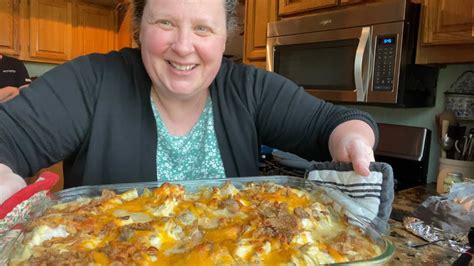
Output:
x,y
8,93
10,183
361,156
358,152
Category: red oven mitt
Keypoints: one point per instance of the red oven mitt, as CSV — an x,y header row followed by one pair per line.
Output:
x,y
45,182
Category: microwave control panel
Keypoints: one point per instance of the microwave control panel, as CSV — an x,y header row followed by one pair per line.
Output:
x,y
384,62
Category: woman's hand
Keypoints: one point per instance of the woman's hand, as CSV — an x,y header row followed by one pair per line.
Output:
x,y
7,93
353,141
10,183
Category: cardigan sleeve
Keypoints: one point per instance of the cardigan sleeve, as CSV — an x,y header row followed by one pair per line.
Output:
x,y
50,118
290,119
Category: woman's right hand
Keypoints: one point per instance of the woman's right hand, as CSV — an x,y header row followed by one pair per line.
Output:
x,y
10,183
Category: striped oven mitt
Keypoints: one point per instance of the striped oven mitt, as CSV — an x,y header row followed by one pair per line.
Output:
x,y
370,196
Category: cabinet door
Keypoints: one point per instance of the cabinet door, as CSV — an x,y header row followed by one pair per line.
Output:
x,y
446,32
94,32
257,14
346,2
50,30
124,33
9,29
295,6
447,22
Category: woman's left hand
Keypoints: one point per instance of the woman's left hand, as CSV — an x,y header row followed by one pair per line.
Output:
x,y
7,93
352,141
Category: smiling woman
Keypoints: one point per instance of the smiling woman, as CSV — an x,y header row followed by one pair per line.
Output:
x,y
171,109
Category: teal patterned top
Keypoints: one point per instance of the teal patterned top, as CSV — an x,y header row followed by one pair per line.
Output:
x,y
193,156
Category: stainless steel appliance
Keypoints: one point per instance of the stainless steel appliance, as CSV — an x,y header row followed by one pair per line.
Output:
x,y
407,150
359,54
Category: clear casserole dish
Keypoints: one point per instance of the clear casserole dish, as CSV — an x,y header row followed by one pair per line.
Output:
x,y
385,246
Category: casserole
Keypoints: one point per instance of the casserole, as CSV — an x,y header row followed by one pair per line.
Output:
x,y
232,185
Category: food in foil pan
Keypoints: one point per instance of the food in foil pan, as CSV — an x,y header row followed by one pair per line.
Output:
x,y
257,223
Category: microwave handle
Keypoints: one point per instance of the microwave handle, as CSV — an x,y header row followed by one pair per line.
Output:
x,y
361,82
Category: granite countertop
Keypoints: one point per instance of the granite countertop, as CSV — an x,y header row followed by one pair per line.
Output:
x,y
404,203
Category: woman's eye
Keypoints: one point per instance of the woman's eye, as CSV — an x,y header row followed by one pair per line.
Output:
x,y
202,30
165,23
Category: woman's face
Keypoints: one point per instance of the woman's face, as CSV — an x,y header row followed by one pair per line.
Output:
x,y
182,43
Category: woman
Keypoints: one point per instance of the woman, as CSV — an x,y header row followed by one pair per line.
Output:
x,y
173,109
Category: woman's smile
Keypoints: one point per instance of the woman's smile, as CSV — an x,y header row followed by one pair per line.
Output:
x,y
182,67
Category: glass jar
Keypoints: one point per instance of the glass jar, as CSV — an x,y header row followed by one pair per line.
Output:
x,y
451,178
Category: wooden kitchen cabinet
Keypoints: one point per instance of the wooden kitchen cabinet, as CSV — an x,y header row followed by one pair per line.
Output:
x,y
446,33
124,34
346,2
54,31
94,29
257,14
50,30
288,7
10,27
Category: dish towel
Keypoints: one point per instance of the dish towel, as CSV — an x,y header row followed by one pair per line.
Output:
x,y
367,197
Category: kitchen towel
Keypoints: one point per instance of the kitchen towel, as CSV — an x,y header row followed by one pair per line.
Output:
x,y
370,196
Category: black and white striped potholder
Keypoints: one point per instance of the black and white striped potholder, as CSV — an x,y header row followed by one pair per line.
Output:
x,y
372,195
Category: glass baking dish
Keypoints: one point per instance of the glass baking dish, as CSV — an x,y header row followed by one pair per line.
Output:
x,y
369,228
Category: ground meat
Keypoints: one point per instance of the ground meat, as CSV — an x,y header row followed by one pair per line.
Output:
x,y
141,226
282,209
301,213
59,259
128,230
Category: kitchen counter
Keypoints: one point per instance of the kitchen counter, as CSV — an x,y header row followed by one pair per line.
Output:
x,y
404,203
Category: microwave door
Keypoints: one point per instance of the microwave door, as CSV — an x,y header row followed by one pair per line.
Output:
x,y
327,64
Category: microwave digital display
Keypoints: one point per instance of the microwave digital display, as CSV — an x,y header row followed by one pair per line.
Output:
x,y
389,40
384,63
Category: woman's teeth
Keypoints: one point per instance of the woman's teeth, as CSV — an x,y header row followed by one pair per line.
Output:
x,y
182,67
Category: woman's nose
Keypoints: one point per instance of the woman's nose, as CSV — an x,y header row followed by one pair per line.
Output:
x,y
183,43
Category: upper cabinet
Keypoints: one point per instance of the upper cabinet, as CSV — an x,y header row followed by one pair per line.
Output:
x,y
257,14
288,7
54,31
291,7
345,2
446,32
124,29
50,30
10,21
94,31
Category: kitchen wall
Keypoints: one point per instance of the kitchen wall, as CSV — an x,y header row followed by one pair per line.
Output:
x,y
419,117
37,69
423,117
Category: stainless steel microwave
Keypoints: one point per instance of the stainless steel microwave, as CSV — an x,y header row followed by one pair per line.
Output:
x,y
358,54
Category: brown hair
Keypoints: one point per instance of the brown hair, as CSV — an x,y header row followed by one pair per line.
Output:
x,y
139,5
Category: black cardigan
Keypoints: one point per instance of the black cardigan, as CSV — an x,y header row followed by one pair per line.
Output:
x,y
94,112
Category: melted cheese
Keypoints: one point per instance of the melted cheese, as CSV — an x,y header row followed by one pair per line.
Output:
x,y
213,226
